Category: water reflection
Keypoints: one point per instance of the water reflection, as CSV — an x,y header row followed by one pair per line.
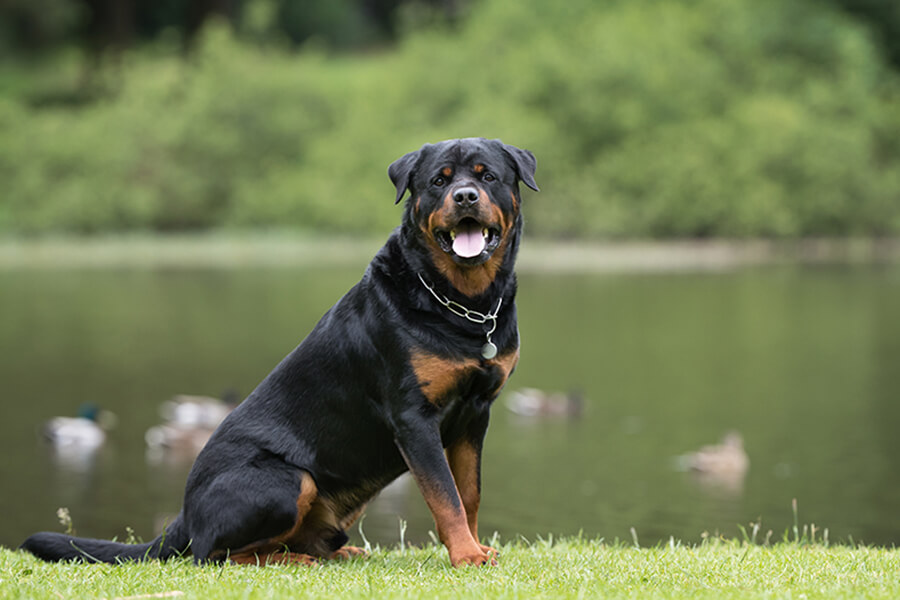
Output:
x,y
74,472
75,460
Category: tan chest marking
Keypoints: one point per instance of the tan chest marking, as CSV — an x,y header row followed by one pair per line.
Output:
x,y
506,363
437,375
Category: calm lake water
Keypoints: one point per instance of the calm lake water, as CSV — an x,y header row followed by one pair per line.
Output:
x,y
804,362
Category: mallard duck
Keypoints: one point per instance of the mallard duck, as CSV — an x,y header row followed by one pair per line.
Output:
x,y
718,468
189,422
726,458
185,441
532,402
87,430
189,411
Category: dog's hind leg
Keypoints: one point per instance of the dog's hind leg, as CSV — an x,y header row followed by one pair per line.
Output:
x,y
280,548
312,531
261,514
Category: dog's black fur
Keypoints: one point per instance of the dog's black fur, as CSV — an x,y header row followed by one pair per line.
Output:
x,y
389,380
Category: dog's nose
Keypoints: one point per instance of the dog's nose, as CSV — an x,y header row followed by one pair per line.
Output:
x,y
465,196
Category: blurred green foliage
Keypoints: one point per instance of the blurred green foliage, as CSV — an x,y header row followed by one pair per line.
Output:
x,y
648,117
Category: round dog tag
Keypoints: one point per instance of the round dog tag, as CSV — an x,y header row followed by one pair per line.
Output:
x,y
489,350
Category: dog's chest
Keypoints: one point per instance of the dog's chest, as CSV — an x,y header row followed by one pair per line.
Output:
x,y
444,379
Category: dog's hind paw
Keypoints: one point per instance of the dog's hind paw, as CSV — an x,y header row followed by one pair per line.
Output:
x,y
348,552
284,558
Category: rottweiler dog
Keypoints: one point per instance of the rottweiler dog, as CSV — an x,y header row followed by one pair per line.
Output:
x,y
398,375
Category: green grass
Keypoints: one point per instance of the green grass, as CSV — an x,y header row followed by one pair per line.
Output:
x,y
570,568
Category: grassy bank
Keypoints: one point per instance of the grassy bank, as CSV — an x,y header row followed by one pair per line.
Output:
x,y
287,250
562,569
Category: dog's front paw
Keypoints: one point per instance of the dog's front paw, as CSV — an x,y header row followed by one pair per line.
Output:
x,y
474,556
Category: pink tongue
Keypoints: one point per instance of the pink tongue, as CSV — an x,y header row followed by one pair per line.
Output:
x,y
469,242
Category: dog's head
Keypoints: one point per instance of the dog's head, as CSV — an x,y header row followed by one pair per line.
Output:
x,y
464,206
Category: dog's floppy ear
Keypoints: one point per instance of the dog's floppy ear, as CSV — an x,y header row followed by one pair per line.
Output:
x,y
400,170
525,165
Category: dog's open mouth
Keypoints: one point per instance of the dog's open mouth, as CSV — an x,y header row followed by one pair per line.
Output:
x,y
469,239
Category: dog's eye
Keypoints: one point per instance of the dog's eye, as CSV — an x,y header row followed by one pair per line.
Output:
x,y
488,176
438,181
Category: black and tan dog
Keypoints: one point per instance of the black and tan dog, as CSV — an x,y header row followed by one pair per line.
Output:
x,y
398,375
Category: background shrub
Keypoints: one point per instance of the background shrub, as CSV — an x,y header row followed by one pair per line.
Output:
x,y
649,118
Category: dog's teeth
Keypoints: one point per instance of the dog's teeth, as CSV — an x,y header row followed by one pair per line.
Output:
x,y
452,234
485,232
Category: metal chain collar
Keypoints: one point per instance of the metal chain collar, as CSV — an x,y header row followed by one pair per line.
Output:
x,y
489,350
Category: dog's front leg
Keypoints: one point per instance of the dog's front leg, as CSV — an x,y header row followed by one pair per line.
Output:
x,y
464,456
419,440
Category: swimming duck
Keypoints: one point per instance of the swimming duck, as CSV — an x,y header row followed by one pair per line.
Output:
x,y
189,411
532,402
726,458
86,431
177,439
189,421
718,468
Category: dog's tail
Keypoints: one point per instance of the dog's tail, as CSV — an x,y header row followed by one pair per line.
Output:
x,y
174,541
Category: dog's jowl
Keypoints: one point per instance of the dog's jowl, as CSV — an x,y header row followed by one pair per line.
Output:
x,y
398,375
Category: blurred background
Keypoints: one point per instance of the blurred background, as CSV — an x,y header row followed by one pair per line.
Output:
x,y
709,288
